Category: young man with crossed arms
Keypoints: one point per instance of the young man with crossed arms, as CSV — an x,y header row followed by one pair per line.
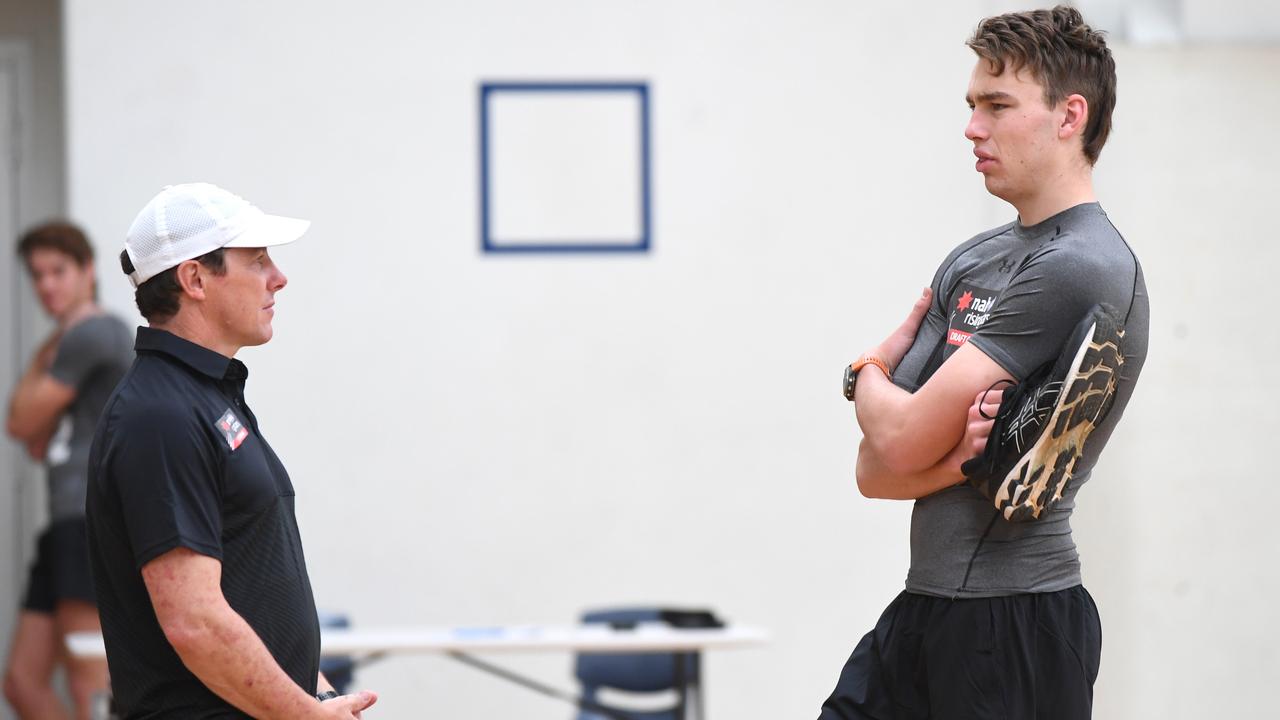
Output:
x,y
994,621
53,411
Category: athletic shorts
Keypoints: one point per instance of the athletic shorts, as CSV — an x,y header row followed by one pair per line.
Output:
x,y
1019,657
61,569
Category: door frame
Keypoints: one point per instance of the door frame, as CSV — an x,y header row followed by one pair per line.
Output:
x,y
19,505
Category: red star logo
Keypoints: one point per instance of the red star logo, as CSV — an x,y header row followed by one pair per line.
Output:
x,y
965,299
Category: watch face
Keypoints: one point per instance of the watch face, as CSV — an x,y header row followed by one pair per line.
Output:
x,y
849,377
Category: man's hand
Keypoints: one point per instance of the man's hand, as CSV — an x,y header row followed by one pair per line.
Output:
x,y
345,707
977,430
895,347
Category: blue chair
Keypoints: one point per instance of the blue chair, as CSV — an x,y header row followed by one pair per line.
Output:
x,y
642,673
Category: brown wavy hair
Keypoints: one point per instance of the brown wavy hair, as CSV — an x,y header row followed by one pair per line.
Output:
x,y
59,235
1063,54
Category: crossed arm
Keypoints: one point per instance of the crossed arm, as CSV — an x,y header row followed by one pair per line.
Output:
x,y
914,443
223,651
38,400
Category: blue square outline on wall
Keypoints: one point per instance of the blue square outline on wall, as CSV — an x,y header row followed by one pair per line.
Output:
x,y
489,244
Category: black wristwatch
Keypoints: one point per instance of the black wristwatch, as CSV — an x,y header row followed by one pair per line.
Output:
x,y
327,695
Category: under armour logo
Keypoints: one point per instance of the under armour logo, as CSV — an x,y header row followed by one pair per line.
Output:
x,y
1006,265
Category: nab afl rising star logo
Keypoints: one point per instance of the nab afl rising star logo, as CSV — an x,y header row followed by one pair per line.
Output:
x,y
970,310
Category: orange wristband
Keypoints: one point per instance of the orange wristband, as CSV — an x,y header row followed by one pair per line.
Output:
x,y
866,360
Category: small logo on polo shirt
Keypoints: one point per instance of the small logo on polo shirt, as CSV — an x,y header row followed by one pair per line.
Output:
x,y
972,310
232,429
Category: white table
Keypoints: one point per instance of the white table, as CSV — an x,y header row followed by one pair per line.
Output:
x,y
368,644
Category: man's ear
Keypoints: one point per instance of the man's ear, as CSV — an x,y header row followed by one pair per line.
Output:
x,y
1075,117
191,278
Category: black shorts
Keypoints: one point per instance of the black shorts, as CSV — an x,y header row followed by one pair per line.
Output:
x,y
61,569
1024,656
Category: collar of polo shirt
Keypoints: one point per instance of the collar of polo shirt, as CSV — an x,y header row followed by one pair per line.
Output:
x,y
197,357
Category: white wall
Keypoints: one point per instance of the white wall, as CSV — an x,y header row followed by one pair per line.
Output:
x,y
1188,557
494,439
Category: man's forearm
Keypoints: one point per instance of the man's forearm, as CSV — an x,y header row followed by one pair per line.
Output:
x,y
25,400
880,407
914,431
224,652
875,480
38,445
38,400
21,396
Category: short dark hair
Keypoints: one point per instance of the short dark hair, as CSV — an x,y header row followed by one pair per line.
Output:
x,y
158,297
1063,54
58,235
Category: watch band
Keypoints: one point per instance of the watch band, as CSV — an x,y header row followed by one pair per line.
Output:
x,y
866,360
851,373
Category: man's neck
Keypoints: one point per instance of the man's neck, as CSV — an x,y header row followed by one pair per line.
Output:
x,y
196,330
80,311
1064,191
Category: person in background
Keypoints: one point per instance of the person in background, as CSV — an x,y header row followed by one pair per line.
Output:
x,y
52,412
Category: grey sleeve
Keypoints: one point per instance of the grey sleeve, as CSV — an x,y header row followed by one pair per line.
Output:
x,y
926,348
1047,296
82,349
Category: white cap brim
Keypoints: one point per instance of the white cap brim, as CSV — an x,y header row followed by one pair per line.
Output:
x,y
269,231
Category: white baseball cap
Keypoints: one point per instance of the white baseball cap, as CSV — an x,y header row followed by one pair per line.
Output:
x,y
187,221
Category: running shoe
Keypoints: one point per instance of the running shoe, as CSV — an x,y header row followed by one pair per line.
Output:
x,y
1043,422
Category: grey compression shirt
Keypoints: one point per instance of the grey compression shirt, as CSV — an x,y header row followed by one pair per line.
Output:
x,y
1016,293
92,356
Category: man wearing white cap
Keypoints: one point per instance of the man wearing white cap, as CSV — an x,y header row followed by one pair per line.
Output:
x,y
202,586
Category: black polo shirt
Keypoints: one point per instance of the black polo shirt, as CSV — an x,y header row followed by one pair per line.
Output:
x,y
178,461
